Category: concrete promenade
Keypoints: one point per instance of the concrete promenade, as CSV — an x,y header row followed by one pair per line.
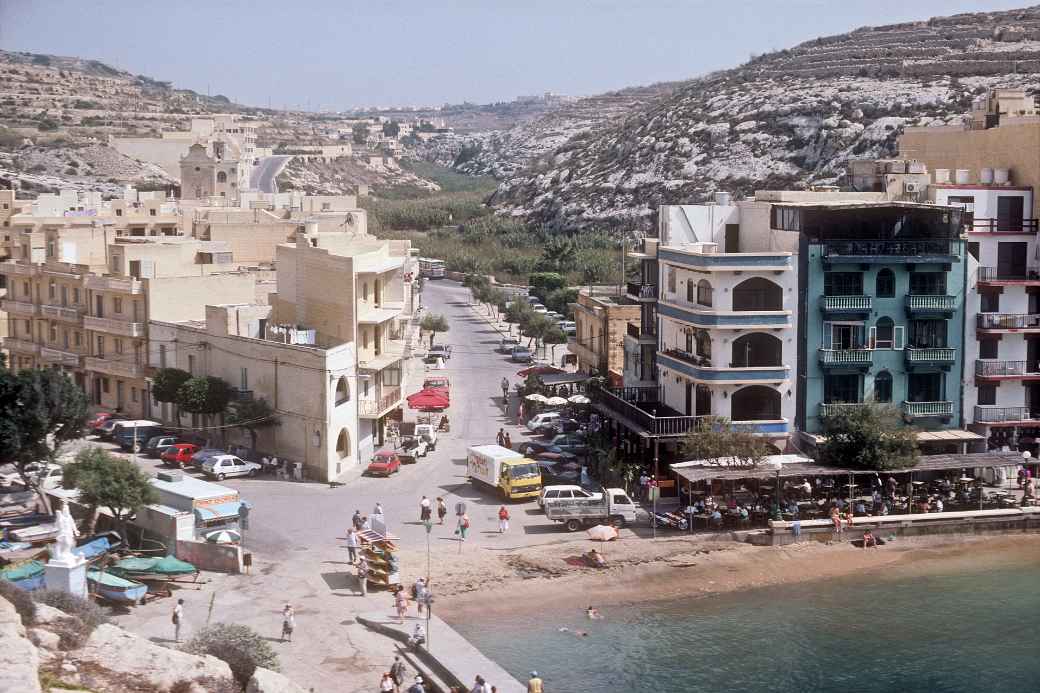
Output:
x,y
451,657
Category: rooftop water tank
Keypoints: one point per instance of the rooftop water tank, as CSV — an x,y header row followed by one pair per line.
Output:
x,y
942,176
723,198
962,176
1001,176
916,167
986,176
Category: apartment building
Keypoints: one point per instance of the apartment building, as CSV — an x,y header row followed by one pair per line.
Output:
x,y
601,318
312,389
351,288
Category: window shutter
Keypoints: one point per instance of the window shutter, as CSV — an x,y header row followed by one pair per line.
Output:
x,y
827,328
897,337
872,341
147,268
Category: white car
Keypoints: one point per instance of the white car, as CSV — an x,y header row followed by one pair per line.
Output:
x,y
221,466
569,327
540,309
565,492
542,419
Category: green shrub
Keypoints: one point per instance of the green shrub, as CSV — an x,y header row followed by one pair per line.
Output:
x,y
83,616
21,600
241,647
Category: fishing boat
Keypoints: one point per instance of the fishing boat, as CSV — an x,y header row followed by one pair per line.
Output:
x,y
158,569
36,534
115,588
94,547
28,575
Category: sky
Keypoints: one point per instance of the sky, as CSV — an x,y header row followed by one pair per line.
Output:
x,y
340,54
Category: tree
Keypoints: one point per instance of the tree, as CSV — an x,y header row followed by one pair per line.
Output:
x,y
560,300
107,481
555,336
433,323
240,646
537,326
166,384
867,436
391,129
252,415
559,254
360,133
714,439
204,394
544,283
40,410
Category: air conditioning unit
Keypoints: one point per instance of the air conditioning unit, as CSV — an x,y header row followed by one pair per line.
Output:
x,y
911,187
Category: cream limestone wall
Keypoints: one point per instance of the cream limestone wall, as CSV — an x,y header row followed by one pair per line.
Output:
x,y
185,298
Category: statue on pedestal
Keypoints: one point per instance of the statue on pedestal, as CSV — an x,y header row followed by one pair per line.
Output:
x,y
66,539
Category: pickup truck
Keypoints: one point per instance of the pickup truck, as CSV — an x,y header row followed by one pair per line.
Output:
x,y
613,507
412,448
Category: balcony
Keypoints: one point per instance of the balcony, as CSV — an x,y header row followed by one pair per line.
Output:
x,y
125,285
892,252
1008,322
22,346
917,304
18,269
846,305
924,410
641,410
1003,226
65,313
375,408
112,326
641,292
18,307
115,366
838,407
1010,276
726,319
930,357
1006,415
634,331
1007,370
65,358
846,358
700,369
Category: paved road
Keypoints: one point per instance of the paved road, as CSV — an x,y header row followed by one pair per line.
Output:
x,y
265,173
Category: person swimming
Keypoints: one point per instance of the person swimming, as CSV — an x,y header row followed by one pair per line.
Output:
x,y
592,613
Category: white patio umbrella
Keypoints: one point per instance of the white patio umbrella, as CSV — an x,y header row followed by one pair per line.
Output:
x,y
535,397
602,533
556,401
578,399
224,536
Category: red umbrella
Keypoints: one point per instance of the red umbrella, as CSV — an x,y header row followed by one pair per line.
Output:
x,y
429,398
539,370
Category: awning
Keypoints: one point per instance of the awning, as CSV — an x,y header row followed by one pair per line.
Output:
x,y
551,379
218,511
430,398
944,436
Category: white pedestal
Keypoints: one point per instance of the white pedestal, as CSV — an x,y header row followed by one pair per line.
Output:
x,y
67,577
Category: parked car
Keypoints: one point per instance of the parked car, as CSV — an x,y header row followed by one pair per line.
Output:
x,y
46,475
530,448
521,354
568,327
108,427
542,419
555,472
564,425
221,466
565,492
533,300
179,454
554,316
384,463
100,418
134,435
157,445
428,432
203,455
440,351
412,448
540,309
507,344
573,443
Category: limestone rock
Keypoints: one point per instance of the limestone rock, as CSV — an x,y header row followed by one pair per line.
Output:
x,y
44,638
19,661
48,614
123,654
267,681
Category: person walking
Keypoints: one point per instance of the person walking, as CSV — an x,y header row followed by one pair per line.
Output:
x,y
178,620
386,684
362,576
357,520
424,509
397,671
378,510
479,685
400,604
644,484
505,390
422,597
534,684
507,442
501,437
352,544
417,687
503,520
288,622
442,509
463,526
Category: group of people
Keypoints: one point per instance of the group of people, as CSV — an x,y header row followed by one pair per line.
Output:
x,y
503,439
426,509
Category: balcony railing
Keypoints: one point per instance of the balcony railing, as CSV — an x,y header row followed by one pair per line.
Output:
x,y
931,356
838,407
1009,274
917,303
634,330
623,402
21,269
1004,226
996,369
984,414
925,409
846,304
126,285
112,326
66,313
18,307
1007,321
855,358
692,359
24,346
115,366
641,291
65,358
891,249
376,407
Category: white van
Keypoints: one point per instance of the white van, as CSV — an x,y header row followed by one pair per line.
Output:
x,y
540,420
565,492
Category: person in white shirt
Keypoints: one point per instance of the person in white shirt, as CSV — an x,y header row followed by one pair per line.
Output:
x,y
178,620
938,505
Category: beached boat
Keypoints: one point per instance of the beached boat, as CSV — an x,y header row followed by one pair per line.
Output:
x,y
157,569
115,588
28,575
93,548
36,534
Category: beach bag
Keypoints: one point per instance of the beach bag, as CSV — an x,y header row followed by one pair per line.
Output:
x,y
175,620
465,524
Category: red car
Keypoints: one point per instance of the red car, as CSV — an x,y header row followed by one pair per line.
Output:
x,y
179,454
99,418
384,463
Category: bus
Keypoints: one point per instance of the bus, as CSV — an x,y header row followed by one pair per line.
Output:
x,y
430,268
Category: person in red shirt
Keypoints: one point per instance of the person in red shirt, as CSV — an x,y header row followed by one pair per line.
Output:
x,y
503,520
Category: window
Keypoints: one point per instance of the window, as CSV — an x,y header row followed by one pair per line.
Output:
x,y
987,393
221,177
100,347
152,212
702,400
119,212
243,378
988,348
77,338
133,394
117,304
989,301
843,284
841,388
364,339
927,334
703,344
364,387
162,356
50,249
65,338
392,377
883,387
25,289
973,249
928,283
884,334
119,346
704,292
104,385
28,327
191,364
364,291
671,280
53,333
885,285
342,391
691,289
51,290
75,296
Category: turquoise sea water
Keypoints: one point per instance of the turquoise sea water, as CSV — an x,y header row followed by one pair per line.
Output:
x,y
976,632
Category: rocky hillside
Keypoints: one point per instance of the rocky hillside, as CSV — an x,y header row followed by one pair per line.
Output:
x,y
783,119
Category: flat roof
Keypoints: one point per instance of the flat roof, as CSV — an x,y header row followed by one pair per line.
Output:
x,y
196,489
865,204
947,435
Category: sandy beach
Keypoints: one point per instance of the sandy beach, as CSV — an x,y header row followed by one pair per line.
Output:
x,y
490,584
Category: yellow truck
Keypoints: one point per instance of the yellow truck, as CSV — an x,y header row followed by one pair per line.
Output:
x,y
513,475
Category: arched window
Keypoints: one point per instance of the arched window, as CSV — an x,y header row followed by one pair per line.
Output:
x,y
883,387
757,350
885,285
702,401
755,403
884,333
703,340
343,444
704,293
221,177
342,391
758,294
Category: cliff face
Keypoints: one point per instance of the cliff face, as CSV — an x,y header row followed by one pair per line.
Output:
x,y
785,119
